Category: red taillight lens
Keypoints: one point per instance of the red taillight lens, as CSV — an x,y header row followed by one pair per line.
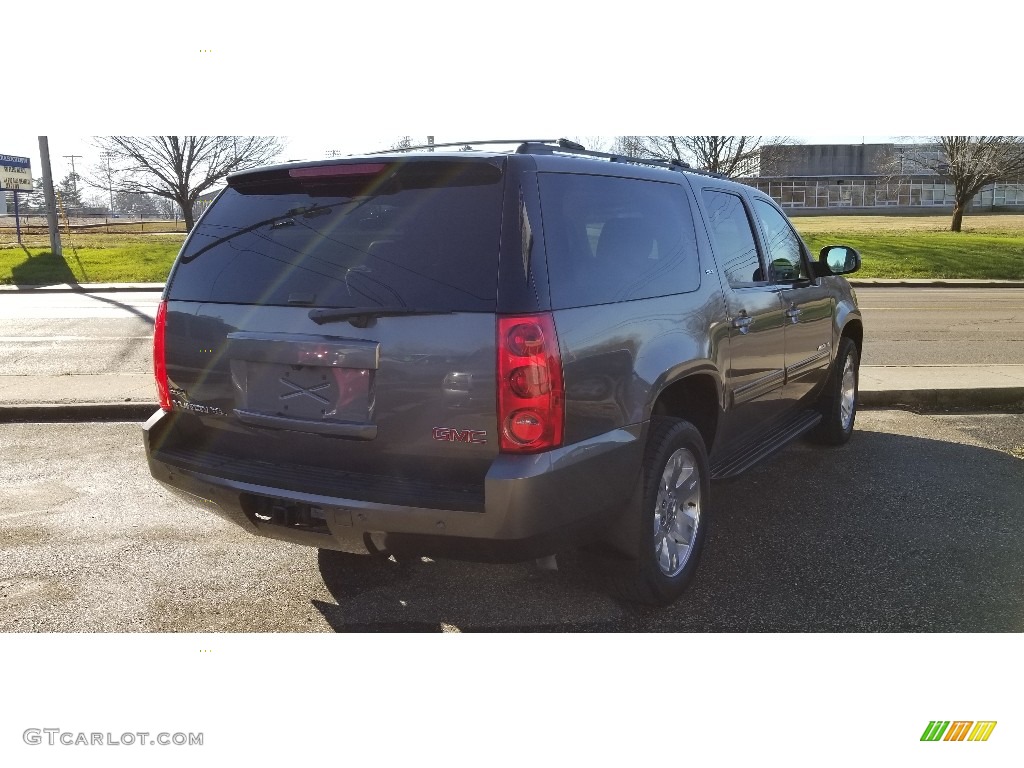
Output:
x,y
525,339
525,427
530,381
531,398
163,392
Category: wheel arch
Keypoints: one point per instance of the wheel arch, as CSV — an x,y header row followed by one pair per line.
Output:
x,y
854,330
695,398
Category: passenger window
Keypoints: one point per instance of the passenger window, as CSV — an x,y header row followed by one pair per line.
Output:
x,y
785,255
732,238
612,239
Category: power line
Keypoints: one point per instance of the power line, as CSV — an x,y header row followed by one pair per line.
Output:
x,y
72,158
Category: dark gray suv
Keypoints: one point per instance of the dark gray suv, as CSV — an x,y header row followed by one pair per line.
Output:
x,y
494,356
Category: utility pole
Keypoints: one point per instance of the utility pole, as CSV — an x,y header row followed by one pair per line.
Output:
x,y
72,159
51,200
74,176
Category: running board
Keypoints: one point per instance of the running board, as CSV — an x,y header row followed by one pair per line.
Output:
x,y
766,444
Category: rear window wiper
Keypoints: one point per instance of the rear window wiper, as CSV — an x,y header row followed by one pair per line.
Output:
x,y
361,316
281,220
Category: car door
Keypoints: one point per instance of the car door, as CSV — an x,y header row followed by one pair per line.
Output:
x,y
756,371
807,304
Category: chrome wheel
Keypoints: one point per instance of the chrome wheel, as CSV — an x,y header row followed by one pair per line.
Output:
x,y
847,394
677,512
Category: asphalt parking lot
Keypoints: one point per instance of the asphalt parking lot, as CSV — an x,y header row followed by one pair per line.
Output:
x,y
916,525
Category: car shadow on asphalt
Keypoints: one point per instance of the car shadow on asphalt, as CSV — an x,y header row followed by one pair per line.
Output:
x,y
421,594
889,533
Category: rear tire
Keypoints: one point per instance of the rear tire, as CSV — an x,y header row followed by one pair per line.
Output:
x,y
673,516
838,404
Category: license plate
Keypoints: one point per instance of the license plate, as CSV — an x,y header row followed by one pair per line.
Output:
x,y
309,392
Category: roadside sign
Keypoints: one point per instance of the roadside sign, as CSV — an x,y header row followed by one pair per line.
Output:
x,y
15,173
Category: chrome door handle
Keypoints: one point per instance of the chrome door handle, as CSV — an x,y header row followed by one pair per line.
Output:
x,y
793,313
743,322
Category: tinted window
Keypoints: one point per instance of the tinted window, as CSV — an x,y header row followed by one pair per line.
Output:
x,y
784,255
732,238
610,239
420,234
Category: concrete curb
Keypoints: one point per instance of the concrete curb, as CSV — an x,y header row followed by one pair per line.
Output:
x,y
981,397
61,412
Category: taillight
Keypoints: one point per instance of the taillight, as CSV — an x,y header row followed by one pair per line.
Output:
x,y
163,392
531,398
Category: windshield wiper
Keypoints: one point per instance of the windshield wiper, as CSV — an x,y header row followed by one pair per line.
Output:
x,y
360,316
285,219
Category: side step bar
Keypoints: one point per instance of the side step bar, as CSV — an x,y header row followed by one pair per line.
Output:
x,y
766,444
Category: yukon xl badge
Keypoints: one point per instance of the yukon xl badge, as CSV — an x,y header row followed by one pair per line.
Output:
x,y
448,434
180,400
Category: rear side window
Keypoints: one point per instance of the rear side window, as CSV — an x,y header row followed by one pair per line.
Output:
x,y
732,238
611,239
422,235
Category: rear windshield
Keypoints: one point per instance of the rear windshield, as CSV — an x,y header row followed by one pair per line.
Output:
x,y
614,239
422,235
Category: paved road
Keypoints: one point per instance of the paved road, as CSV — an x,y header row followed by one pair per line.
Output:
x,y
61,333
20,305
943,326
74,333
915,525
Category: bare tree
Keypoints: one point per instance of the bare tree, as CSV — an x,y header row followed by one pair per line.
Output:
x,y
629,146
95,201
103,176
181,168
596,143
971,163
732,156
136,204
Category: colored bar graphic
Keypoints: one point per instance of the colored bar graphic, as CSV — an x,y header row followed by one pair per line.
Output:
x,y
959,730
935,730
982,730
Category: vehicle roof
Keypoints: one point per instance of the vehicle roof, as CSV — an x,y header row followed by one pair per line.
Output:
x,y
382,158
560,161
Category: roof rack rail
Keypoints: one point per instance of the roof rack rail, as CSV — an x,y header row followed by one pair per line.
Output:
x,y
463,144
564,146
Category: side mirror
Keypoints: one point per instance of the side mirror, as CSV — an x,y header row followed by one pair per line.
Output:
x,y
837,260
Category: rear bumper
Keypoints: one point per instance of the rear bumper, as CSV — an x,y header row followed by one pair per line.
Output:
x,y
533,505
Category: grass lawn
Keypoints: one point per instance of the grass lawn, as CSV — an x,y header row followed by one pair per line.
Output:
x,y
892,246
990,247
90,258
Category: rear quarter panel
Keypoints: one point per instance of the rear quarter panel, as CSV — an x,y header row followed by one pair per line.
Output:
x,y
617,358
